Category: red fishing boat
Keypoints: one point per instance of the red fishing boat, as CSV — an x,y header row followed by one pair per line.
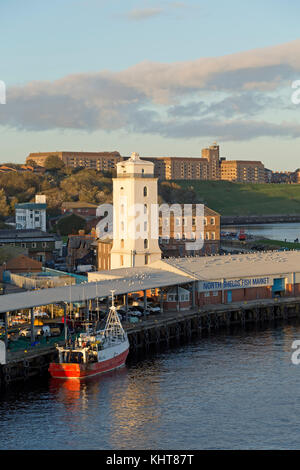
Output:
x,y
93,353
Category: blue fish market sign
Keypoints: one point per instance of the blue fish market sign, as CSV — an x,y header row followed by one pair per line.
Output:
x,y
206,286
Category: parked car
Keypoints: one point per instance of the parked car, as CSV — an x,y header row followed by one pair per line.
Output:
x,y
43,331
55,331
25,332
153,309
41,314
142,310
134,312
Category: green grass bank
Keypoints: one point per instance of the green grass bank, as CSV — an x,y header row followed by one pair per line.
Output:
x,y
246,199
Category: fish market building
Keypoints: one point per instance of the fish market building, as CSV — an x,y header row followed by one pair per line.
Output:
x,y
244,277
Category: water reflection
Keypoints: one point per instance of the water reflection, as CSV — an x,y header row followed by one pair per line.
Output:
x,y
236,389
273,231
137,409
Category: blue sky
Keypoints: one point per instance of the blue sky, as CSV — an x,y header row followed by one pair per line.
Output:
x,y
160,78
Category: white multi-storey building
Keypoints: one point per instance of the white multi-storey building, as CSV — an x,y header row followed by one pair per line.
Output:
x,y
31,215
135,241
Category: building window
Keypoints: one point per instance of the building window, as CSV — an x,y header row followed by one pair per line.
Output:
x,y
44,245
122,243
122,260
145,243
145,208
146,259
33,245
145,191
212,221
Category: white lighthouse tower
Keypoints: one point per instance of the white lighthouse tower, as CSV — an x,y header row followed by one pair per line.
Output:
x,y
135,223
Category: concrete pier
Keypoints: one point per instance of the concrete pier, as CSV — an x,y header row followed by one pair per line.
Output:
x,y
163,329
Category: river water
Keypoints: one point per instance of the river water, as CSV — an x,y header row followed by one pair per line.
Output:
x,y
237,389
288,231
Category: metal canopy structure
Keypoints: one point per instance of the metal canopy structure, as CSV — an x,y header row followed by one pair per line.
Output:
x,y
164,273
123,282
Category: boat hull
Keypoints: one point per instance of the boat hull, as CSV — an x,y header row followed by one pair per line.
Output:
x,y
81,371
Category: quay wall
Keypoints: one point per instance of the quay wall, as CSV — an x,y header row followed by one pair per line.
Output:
x,y
164,329
259,219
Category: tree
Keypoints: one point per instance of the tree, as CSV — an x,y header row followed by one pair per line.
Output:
x,y
54,163
4,207
70,224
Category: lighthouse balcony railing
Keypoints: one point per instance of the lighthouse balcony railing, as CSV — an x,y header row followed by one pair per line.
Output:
x,y
135,175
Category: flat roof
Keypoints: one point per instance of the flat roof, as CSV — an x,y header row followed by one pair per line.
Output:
x,y
235,266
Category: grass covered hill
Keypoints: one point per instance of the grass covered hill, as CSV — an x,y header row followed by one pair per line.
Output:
x,y
246,199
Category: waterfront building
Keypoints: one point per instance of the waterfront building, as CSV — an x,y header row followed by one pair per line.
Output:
x,y
175,244
214,280
31,215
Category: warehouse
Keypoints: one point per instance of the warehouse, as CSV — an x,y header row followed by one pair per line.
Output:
x,y
238,278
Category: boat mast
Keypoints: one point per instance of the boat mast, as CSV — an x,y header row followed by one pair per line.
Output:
x,y
113,327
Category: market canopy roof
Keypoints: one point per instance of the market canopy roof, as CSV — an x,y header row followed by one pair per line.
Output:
x,y
122,281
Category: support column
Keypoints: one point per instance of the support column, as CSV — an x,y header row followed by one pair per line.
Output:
x,y
194,294
161,301
177,295
6,329
126,306
32,335
145,302
65,322
223,292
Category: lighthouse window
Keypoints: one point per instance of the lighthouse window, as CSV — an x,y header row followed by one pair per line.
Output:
x,y
145,191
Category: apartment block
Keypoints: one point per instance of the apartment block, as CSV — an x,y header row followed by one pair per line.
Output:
x,y
243,171
100,161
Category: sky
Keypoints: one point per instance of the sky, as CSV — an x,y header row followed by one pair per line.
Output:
x,y
161,78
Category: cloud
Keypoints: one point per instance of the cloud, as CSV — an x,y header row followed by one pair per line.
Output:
x,y
228,97
143,13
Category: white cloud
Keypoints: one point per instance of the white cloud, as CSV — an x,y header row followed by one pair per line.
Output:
x,y
227,97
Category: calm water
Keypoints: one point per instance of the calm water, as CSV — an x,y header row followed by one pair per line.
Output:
x,y
272,231
227,391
